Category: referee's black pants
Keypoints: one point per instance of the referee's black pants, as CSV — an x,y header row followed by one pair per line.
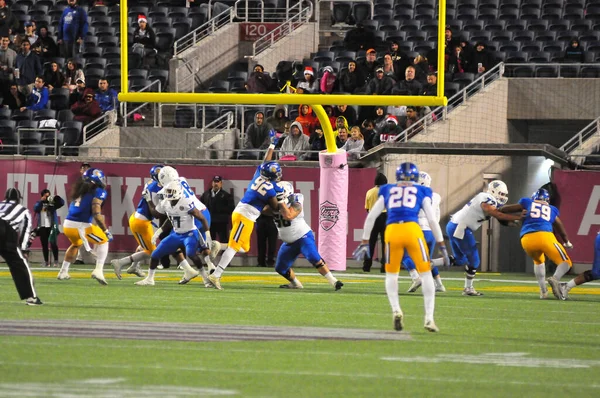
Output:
x,y
19,269
377,231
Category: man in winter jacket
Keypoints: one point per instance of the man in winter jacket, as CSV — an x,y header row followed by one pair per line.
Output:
x,y
257,138
72,28
38,99
106,97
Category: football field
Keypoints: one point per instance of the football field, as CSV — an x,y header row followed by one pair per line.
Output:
x,y
253,339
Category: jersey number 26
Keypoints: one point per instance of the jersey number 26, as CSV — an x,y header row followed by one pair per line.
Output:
x,y
402,197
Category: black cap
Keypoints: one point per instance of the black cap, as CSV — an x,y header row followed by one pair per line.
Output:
x,y
86,164
217,178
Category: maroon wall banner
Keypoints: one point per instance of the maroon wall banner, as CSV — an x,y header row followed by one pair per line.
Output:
x,y
579,211
126,181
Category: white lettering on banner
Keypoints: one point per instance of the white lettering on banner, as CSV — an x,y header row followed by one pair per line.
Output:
x,y
121,208
306,188
23,180
590,217
57,185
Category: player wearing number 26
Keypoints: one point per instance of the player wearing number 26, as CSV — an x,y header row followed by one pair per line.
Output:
x,y
403,202
539,241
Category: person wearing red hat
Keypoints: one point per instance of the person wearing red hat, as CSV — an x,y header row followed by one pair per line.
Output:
x,y
389,132
310,84
143,41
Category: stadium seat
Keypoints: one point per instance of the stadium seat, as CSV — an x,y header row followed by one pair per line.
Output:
x,y
161,75
361,12
345,56
60,98
569,71
463,78
138,74
210,112
589,72
25,115
219,86
523,71
341,12
30,137
546,71
108,41
531,46
5,113
44,114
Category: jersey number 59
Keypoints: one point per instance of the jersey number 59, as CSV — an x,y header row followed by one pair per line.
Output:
x,y
539,210
402,197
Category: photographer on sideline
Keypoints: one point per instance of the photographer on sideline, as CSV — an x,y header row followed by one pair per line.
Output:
x,y
47,224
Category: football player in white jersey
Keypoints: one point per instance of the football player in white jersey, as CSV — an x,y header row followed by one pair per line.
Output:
x,y
298,238
468,220
182,212
407,262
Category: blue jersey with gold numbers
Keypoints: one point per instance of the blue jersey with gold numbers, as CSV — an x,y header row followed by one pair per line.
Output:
x,y
540,216
81,208
142,207
404,201
259,191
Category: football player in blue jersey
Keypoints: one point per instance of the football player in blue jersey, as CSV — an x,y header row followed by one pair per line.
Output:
x,y
539,242
140,224
262,191
87,196
403,202
586,276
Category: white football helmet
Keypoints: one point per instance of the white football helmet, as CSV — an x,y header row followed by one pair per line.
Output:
x,y
287,187
173,190
498,190
424,179
166,175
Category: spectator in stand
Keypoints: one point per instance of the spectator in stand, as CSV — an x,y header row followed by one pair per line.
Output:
x,y
329,111
342,137
481,59
72,28
380,116
388,68
413,115
87,109
408,86
368,132
259,81
354,146
401,60
451,42
8,58
29,66
310,84
295,145
8,23
45,46
30,33
347,112
455,61
421,64
328,80
77,94
53,76
317,143
47,224
280,137
367,66
278,119
351,80
14,99
257,138
431,86
220,205
144,40
381,84
38,99
358,38
72,75
574,53
389,133
307,120
106,97
340,123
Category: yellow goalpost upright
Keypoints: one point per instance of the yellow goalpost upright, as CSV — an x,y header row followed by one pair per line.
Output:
x,y
315,100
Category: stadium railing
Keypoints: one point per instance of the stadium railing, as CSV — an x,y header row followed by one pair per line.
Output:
x,y
584,143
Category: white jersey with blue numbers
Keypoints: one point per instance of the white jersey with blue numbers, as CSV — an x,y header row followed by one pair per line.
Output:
x,y
256,197
472,215
436,199
292,230
180,216
189,192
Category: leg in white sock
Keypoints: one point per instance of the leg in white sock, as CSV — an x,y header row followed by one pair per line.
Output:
x,y
428,287
391,288
540,274
226,258
561,270
101,253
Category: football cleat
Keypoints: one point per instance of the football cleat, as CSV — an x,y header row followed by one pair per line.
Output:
x,y
470,291
117,266
415,285
63,276
188,275
33,301
136,270
145,282
431,326
99,276
564,291
398,320
543,294
215,281
338,285
292,285
440,289
555,285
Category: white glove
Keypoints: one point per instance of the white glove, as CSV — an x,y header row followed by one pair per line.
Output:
x,y
109,235
147,195
208,238
445,256
362,251
156,235
568,245
281,196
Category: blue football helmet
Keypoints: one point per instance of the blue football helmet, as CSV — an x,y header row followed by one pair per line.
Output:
x,y
541,194
407,172
95,176
271,170
155,170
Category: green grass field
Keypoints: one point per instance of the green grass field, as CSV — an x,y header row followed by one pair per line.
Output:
x,y
507,343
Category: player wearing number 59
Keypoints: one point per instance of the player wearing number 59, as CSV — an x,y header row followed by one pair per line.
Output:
x,y
403,202
538,240
87,197
261,192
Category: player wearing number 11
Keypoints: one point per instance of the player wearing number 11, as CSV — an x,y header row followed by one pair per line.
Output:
x,y
403,202
539,241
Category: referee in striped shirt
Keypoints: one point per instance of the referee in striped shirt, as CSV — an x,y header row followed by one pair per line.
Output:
x,y
15,228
